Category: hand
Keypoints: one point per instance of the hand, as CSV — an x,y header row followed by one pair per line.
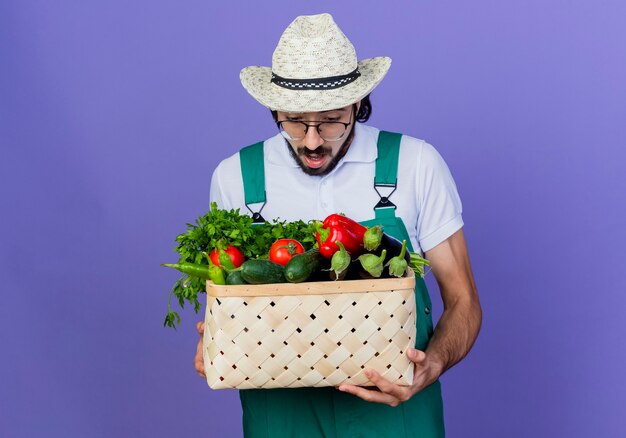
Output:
x,y
426,372
198,361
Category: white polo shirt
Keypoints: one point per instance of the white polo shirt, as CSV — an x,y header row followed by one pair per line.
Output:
x,y
426,197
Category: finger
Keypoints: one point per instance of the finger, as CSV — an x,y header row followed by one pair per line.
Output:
x,y
416,356
198,360
369,395
385,386
200,327
199,366
200,369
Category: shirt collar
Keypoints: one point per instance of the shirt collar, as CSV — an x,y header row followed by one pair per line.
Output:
x,y
362,150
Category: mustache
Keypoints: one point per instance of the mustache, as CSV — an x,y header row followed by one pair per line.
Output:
x,y
320,150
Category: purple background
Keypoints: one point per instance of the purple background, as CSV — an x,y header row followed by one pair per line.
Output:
x,y
114,114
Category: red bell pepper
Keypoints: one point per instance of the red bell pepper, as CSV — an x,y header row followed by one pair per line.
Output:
x,y
343,229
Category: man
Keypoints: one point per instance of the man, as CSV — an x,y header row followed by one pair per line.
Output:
x,y
324,161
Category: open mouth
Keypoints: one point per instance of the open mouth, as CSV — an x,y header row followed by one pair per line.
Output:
x,y
314,159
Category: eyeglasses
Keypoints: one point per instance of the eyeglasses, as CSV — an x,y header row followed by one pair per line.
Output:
x,y
296,130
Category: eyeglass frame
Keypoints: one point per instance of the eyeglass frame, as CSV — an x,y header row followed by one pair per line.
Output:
x,y
316,126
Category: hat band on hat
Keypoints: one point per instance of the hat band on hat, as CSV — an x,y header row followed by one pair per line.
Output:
x,y
316,84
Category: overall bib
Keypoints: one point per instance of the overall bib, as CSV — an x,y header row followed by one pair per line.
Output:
x,y
327,412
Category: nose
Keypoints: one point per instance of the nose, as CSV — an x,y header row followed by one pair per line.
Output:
x,y
312,139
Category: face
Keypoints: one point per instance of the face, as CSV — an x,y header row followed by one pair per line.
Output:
x,y
314,155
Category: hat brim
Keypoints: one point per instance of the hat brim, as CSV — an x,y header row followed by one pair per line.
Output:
x,y
257,81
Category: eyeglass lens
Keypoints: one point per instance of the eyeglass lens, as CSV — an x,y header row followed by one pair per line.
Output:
x,y
327,130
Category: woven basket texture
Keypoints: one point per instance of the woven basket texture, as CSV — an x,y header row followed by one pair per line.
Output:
x,y
309,334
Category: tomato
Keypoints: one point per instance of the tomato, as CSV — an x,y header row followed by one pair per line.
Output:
x,y
233,252
283,250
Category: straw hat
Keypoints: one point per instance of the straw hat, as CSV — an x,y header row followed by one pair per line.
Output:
x,y
314,68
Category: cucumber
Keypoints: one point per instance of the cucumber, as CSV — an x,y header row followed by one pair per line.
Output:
x,y
262,271
235,277
301,266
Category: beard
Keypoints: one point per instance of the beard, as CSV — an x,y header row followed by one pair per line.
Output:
x,y
299,152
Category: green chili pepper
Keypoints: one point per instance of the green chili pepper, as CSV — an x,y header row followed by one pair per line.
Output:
x,y
225,261
191,269
206,272
216,275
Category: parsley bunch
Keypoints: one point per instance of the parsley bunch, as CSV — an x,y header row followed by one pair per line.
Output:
x,y
219,229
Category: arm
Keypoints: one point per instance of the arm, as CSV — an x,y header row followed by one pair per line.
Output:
x,y
459,324
454,335
198,360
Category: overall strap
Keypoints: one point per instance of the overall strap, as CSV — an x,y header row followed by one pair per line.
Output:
x,y
253,175
386,171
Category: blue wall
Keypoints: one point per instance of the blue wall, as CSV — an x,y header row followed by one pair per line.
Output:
x,y
114,114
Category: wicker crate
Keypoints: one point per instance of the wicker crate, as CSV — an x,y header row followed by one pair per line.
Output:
x,y
309,334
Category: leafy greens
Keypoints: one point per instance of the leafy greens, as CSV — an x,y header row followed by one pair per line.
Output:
x,y
218,229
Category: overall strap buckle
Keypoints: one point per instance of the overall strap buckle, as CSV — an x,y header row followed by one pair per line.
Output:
x,y
256,215
384,201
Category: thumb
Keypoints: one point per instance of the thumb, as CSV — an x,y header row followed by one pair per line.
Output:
x,y
200,327
415,355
